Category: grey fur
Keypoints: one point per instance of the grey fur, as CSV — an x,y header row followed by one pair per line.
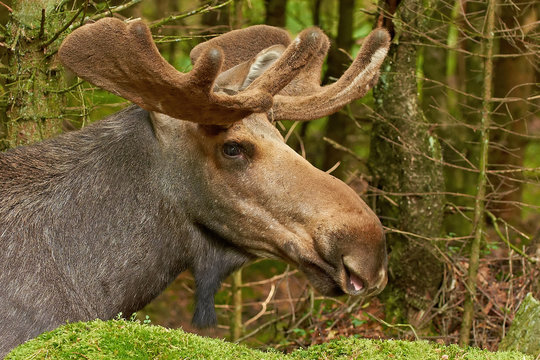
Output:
x,y
88,229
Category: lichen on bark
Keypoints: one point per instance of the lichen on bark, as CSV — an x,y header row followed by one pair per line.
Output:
x,y
405,159
33,81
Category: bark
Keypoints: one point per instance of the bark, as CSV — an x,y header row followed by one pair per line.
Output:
x,y
33,110
405,158
340,127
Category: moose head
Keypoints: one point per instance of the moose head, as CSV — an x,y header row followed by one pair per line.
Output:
x,y
229,168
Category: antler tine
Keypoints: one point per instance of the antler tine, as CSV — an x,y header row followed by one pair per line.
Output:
x,y
309,101
296,59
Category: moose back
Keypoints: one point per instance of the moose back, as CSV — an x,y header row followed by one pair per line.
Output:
x,y
193,176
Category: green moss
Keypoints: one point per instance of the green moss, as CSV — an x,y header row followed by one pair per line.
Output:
x,y
353,348
120,339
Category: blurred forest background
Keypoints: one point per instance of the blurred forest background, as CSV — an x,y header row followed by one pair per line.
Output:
x,y
445,149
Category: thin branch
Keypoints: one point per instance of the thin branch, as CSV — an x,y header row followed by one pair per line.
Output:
x,y
338,146
42,25
201,10
506,240
7,7
264,306
114,10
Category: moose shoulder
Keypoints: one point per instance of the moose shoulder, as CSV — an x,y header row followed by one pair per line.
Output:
x,y
194,176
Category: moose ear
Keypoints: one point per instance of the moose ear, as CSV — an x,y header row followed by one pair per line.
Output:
x,y
262,62
242,75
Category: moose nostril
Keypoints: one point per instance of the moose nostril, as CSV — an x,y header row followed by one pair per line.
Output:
x,y
356,282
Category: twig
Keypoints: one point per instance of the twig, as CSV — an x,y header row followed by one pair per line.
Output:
x,y
505,239
7,7
67,89
343,148
425,237
272,279
513,170
115,9
273,321
236,325
394,325
264,306
42,25
202,9
84,13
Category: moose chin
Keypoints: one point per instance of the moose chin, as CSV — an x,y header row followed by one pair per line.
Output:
x,y
193,176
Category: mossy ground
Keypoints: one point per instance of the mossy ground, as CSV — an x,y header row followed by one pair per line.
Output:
x,y
120,339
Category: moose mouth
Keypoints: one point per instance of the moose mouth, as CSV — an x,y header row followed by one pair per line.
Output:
x,y
334,282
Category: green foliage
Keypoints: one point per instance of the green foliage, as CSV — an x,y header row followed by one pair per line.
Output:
x,y
121,339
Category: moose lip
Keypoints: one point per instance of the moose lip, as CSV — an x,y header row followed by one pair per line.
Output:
x,y
334,282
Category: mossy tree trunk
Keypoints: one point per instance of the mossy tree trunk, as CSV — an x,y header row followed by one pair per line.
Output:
x,y
524,333
34,81
405,159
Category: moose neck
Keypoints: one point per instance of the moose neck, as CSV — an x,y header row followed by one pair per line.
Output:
x,y
114,236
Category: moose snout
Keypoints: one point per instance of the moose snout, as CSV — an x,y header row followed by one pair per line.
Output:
x,y
365,265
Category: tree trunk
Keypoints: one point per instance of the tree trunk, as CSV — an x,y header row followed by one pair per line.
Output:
x,y
33,110
514,77
275,12
340,127
404,158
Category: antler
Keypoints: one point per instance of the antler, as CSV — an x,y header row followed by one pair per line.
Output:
x,y
304,98
122,58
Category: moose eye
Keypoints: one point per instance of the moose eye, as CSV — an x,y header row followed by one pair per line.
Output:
x,y
232,149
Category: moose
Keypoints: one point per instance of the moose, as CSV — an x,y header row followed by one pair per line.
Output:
x,y
193,176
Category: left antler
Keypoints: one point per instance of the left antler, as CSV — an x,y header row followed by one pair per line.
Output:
x,y
122,58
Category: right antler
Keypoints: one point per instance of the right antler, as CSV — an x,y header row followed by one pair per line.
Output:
x,y
304,98
123,59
